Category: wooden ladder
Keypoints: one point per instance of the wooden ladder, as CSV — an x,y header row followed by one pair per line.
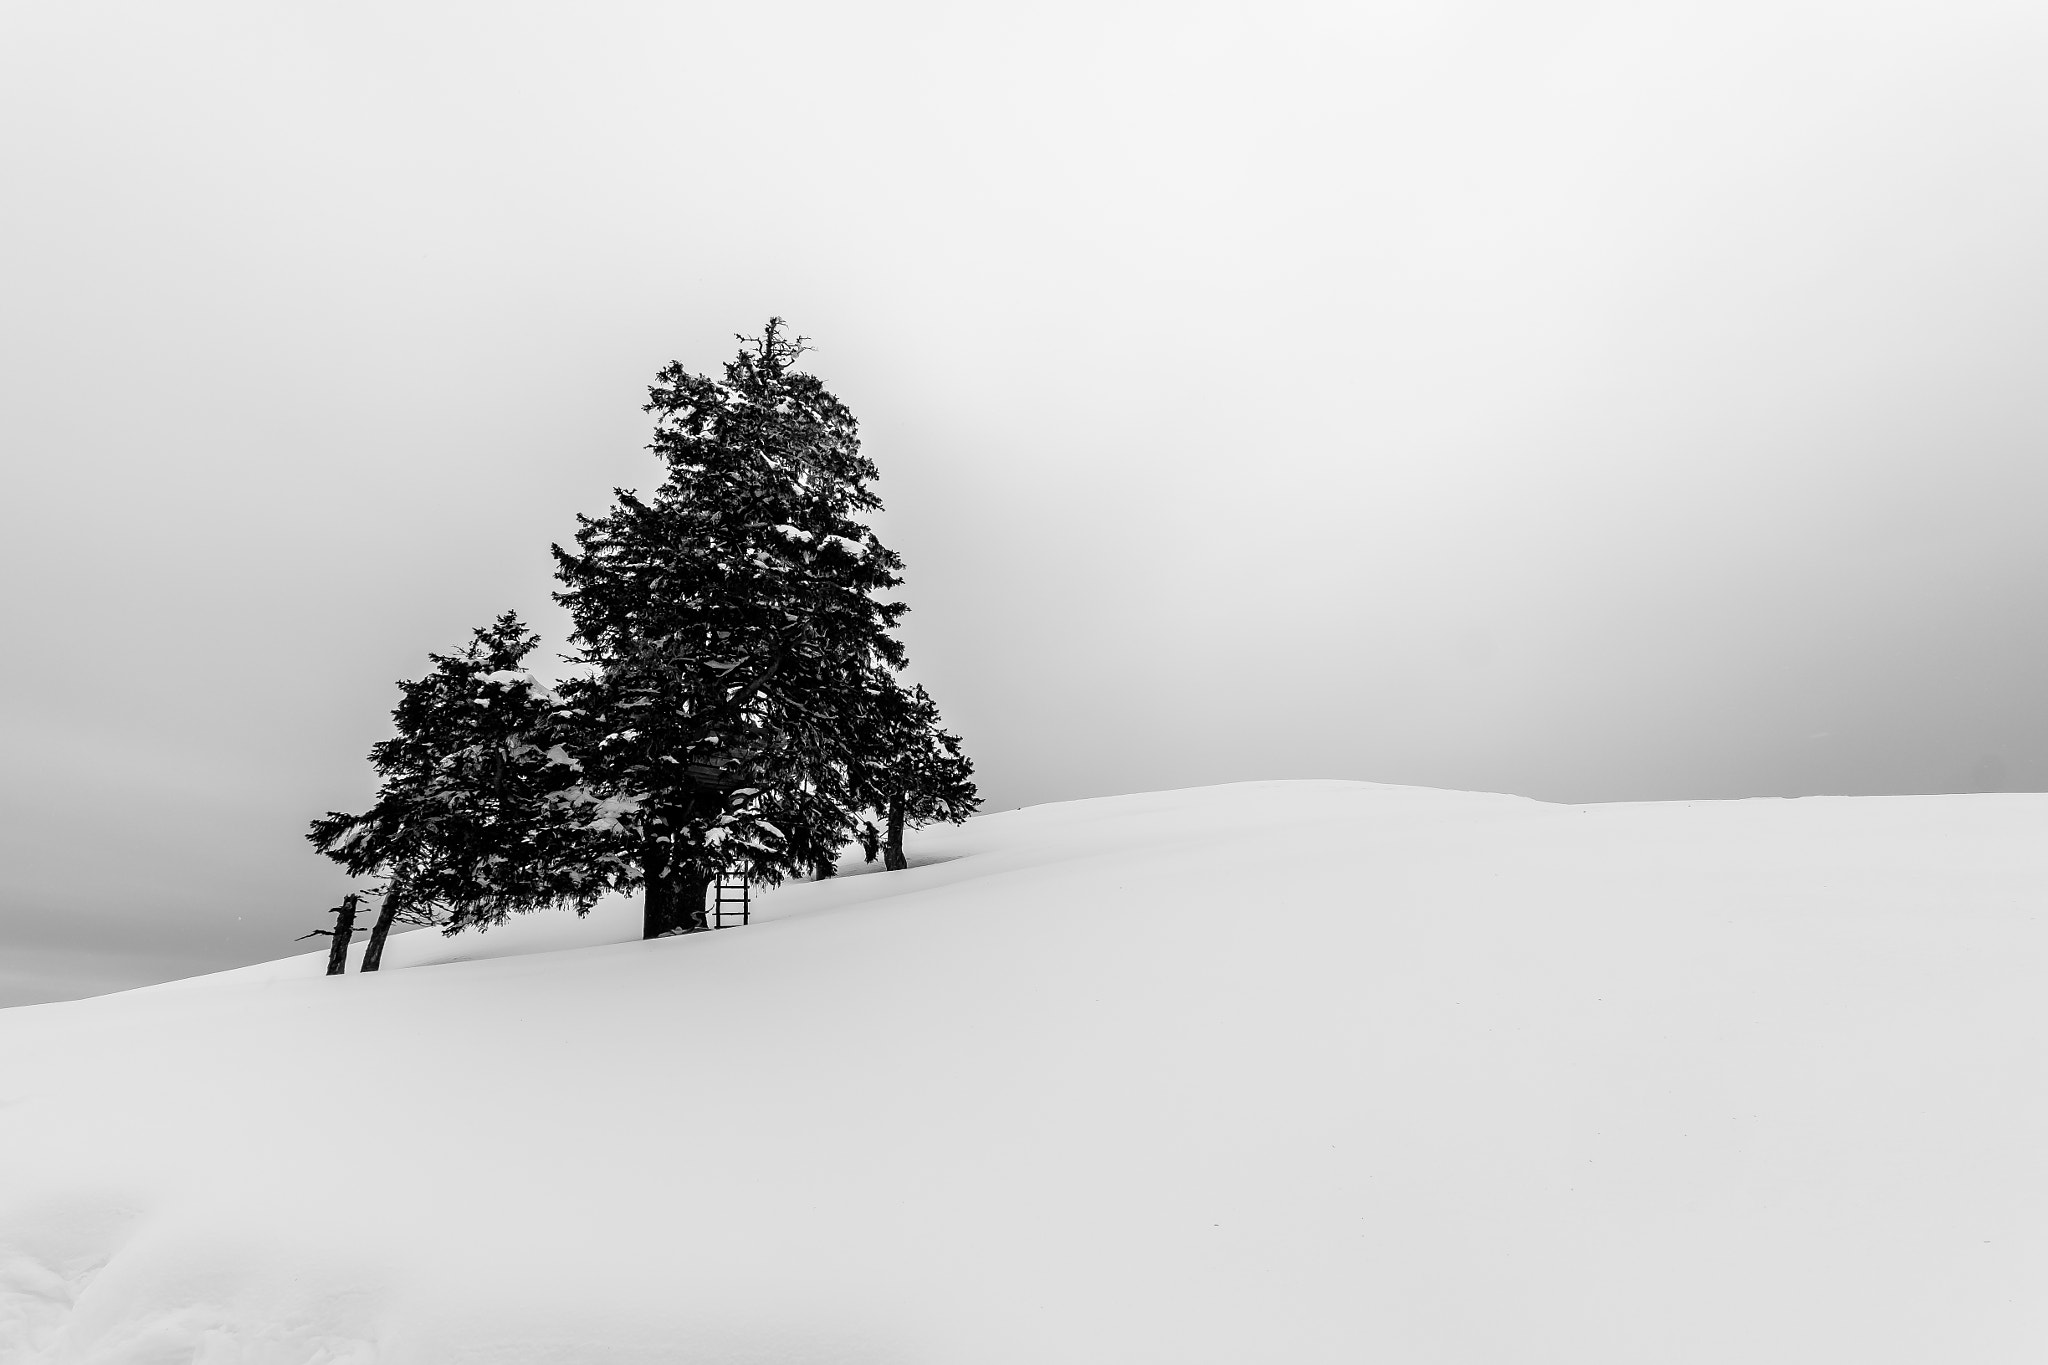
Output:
x,y
730,905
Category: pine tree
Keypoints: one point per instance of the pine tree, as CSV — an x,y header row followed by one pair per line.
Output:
x,y
738,711
481,812
914,772
732,632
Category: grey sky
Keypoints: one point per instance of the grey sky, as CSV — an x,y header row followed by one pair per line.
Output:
x,y
1589,401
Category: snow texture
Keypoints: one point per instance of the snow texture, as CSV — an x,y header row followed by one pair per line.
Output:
x,y
1301,1072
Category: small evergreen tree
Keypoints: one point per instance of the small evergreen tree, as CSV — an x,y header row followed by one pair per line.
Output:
x,y
915,773
481,812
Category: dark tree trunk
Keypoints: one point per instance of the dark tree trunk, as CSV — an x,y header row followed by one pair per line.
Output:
x,y
675,896
658,909
344,929
690,892
826,867
892,850
373,956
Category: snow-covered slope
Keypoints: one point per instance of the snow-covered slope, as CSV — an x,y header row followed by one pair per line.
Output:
x,y
1296,1072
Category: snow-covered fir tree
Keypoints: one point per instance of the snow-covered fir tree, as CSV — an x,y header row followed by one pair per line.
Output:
x,y
481,811
737,710
912,772
733,631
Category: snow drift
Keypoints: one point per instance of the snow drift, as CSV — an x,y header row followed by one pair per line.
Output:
x,y
1296,1072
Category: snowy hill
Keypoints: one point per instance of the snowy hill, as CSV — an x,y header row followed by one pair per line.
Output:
x,y
1301,1072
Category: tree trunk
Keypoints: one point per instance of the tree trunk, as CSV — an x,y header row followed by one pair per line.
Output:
x,y
690,890
892,851
373,956
826,867
344,929
658,909
675,897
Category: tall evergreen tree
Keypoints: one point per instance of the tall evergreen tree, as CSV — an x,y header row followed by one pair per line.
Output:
x,y
732,631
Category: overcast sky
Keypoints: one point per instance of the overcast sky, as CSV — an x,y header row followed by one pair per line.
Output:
x,y
1591,401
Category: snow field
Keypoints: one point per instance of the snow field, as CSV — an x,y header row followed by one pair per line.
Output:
x,y
1297,1072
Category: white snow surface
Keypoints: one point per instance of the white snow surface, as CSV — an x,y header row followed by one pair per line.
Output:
x,y
1291,1072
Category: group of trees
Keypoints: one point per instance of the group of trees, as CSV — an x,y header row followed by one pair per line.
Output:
x,y
733,705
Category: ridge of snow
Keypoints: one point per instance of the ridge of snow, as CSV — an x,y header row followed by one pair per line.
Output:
x,y
1304,1072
